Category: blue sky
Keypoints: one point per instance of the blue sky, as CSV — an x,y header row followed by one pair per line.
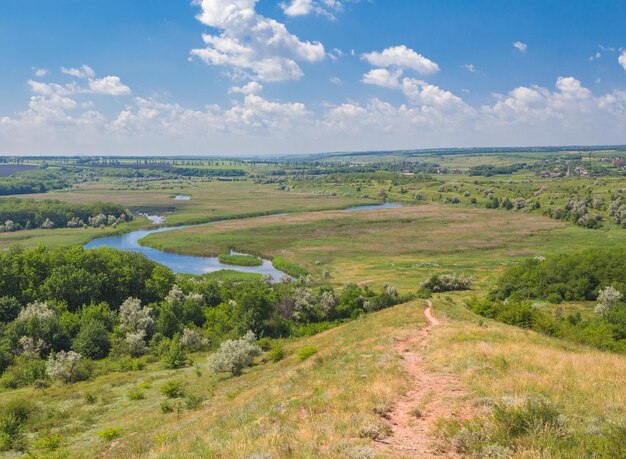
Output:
x,y
297,76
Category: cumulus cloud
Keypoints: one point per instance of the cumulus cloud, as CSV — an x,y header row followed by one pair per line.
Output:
x,y
622,59
402,57
252,44
110,85
295,8
59,120
40,72
521,47
250,88
383,78
84,72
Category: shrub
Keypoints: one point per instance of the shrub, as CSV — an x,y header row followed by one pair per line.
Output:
x,y
63,366
10,432
276,354
175,356
135,394
193,402
234,355
166,407
90,398
448,282
306,352
13,416
50,442
172,389
23,372
110,433
193,341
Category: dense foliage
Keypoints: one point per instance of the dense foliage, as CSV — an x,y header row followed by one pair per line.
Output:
x,y
17,214
597,275
33,181
62,308
569,277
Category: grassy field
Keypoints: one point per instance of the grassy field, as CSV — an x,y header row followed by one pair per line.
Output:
x,y
209,201
402,245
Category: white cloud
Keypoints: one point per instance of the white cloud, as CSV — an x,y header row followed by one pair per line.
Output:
x,y
40,72
60,119
403,57
250,43
110,85
470,68
622,59
84,72
383,78
250,88
336,80
521,47
298,7
295,8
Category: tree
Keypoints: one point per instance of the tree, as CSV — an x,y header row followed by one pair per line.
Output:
x,y
63,366
607,299
234,355
92,340
9,308
135,318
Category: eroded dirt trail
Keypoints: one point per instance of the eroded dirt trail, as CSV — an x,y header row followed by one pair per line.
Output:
x,y
432,396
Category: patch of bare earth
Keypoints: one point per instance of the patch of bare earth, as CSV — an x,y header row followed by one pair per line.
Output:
x,y
433,396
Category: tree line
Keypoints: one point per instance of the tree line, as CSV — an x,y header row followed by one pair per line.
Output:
x,y
17,214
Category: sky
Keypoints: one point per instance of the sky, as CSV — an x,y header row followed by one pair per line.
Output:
x,y
254,77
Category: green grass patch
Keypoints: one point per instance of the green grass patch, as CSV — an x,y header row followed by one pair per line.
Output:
x,y
240,260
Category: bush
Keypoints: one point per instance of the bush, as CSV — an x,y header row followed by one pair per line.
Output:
x,y
448,283
24,372
110,433
175,356
135,394
166,407
12,418
68,367
276,354
234,355
193,402
90,398
10,432
172,389
306,352
193,341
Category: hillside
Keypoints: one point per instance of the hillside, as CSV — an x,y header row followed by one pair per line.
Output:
x,y
342,401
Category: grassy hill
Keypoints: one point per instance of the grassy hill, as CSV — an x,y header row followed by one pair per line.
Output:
x,y
334,403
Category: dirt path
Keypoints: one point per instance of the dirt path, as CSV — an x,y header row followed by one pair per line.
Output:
x,y
432,396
